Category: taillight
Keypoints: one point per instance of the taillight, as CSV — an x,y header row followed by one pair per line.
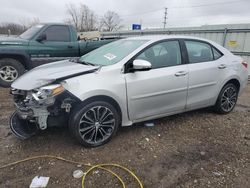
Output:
x,y
244,63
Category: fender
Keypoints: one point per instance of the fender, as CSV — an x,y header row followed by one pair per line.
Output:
x,y
18,54
233,77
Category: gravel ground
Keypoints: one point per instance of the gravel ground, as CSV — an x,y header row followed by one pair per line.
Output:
x,y
194,149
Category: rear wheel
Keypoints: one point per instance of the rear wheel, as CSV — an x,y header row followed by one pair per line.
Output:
x,y
227,99
94,124
10,70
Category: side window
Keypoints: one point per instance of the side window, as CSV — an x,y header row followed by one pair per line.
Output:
x,y
58,34
164,54
199,52
217,54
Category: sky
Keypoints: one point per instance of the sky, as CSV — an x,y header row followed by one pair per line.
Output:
x,y
149,13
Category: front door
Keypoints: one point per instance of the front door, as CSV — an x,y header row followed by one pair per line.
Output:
x,y
161,90
57,46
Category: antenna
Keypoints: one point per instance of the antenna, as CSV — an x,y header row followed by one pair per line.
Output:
x,y
165,17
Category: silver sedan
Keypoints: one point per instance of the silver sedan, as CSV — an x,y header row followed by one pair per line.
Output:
x,y
127,81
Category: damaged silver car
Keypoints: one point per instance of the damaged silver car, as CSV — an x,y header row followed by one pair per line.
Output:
x,y
124,82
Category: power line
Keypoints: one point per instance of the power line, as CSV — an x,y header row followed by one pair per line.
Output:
x,y
182,7
141,13
208,4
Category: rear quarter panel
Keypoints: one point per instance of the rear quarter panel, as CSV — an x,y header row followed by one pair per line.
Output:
x,y
235,70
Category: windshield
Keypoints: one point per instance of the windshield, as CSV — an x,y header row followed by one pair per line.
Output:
x,y
31,32
112,53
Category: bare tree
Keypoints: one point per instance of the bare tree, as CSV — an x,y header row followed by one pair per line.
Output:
x,y
11,28
27,23
111,21
82,18
72,11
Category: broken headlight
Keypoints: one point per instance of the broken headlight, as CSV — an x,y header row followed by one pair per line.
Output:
x,y
46,92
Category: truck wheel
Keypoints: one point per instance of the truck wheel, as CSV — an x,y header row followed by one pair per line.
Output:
x,y
94,124
10,70
227,99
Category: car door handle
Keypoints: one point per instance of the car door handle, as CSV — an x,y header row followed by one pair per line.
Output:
x,y
181,73
69,46
222,66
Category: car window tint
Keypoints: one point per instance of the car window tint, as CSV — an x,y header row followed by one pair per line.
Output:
x,y
217,54
164,54
198,52
58,34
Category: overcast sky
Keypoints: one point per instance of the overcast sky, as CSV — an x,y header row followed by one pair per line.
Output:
x,y
148,12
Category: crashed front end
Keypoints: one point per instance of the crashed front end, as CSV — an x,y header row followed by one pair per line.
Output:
x,y
40,108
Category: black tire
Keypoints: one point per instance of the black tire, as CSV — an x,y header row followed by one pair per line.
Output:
x,y
223,100
98,125
16,69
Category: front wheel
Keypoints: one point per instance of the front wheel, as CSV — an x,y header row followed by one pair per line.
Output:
x,y
227,99
94,124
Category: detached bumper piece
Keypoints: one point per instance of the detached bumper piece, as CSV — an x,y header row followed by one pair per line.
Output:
x,y
22,129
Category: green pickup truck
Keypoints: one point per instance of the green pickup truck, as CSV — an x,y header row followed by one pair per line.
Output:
x,y
40,44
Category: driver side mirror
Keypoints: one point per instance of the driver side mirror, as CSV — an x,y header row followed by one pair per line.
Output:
x,y
41,37
141,65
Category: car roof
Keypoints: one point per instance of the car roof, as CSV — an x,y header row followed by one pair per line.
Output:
x,y
155,38
162,37
52,23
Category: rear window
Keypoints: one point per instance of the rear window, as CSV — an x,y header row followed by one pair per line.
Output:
x,y
217,54
199,52
58,33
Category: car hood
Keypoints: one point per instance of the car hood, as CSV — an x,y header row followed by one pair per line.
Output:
x,y
48,73
13,41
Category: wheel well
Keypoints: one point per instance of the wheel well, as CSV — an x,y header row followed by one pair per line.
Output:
x,y
106,99
19,58
235,82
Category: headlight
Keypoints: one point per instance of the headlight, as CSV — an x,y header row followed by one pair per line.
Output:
x,y
48,92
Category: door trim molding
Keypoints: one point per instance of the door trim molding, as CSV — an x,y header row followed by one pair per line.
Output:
x,y
202,85
158,93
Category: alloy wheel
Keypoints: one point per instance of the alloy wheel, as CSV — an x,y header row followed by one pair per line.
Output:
x,y
8,73
97,125
228,99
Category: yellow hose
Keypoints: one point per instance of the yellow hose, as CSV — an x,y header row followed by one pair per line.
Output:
x,y
92,167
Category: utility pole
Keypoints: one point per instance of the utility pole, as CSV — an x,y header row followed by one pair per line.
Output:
x,y
165,17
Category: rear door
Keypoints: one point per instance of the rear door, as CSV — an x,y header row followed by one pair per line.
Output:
x,y
57,46
206,73
161,90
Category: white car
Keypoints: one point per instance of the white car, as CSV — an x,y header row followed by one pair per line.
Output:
x,y
124,82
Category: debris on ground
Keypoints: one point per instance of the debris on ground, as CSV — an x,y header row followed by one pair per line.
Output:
x,y
39,182
149,124
96,172
217,173
203,153
78,174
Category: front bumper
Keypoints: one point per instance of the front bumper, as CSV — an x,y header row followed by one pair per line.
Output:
x,y
31,116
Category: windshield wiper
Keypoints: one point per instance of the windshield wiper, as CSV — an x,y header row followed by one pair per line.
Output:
x,y
81,62
86,63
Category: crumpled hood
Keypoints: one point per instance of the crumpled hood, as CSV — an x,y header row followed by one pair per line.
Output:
x,y
46,74
13,41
